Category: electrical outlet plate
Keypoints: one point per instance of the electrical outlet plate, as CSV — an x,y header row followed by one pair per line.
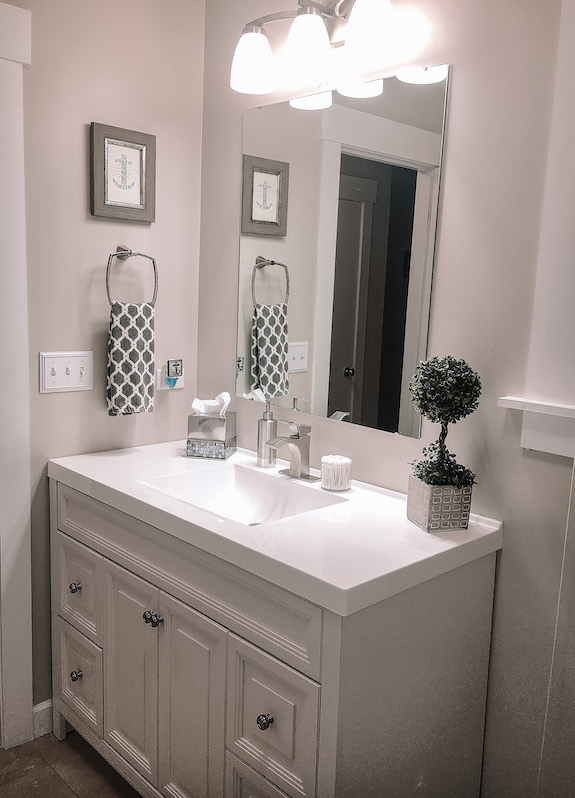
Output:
x,y
161,379
66,371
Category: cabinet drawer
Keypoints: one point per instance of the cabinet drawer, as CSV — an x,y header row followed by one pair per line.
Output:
x,y
286,625
243,782
77,586
79,675
286,751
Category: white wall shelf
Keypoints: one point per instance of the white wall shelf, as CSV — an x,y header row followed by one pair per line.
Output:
x,y
533,406
546,426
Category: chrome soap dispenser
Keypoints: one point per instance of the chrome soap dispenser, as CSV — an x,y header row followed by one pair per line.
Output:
x,y
267,428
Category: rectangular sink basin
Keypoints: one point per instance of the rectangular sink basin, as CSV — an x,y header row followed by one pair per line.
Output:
x,y
242,494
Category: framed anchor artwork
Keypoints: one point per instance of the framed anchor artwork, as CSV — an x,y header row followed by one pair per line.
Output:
x,y
122,173
264,196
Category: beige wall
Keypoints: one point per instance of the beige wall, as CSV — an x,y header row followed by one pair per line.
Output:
x,y
503,57
137,64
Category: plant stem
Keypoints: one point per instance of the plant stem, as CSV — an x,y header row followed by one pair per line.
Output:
x,y
442,447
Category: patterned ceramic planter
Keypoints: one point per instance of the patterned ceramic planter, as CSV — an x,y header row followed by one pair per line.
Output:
x,y
437,508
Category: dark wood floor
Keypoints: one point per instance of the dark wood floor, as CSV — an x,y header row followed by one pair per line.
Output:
x,y
47,768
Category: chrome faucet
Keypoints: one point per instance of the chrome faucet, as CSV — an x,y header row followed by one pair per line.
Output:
x,y
339,415
298,447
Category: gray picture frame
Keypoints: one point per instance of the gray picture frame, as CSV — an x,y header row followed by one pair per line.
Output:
x,y
272,221
122,173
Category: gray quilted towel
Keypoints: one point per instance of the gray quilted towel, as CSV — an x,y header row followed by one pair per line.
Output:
x,y
269,350
130,383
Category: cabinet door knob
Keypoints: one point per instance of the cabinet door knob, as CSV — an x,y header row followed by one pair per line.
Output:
x,y
264,721
75,675
153,618
348,371
75,587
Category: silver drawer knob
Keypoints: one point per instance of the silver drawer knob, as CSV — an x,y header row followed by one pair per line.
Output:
x,y
264,721
153,618
75,587
75,675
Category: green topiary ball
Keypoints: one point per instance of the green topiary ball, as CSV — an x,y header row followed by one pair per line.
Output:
x,y
445,389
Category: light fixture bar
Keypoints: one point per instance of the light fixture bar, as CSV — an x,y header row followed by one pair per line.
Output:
x,y
323,10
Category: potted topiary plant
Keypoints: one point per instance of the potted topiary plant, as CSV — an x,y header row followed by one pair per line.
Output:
x,y
444,390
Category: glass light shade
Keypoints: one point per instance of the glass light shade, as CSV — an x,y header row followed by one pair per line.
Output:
x,y
423,75
253,67
369,26
313,102
379,33
369,88
307,48
412,32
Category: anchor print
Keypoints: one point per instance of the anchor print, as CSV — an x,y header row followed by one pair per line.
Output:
x,y
125,174
264,204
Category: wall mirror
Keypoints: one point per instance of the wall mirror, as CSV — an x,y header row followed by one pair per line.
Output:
x,y
362,187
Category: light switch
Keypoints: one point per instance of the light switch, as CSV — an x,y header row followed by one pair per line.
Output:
x,y
66,371
297,356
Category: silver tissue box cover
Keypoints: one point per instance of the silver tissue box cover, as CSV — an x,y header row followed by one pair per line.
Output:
x,y
213,437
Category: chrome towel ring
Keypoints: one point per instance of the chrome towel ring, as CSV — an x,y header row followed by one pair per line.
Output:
x,y
123,253
259,264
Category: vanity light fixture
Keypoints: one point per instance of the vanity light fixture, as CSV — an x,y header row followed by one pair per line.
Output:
x,y
423,75
307,48
375,30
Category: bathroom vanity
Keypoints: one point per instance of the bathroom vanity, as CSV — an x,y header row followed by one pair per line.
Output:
x,y
338,651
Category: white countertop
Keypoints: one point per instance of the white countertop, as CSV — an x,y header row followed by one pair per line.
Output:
x,y
344,557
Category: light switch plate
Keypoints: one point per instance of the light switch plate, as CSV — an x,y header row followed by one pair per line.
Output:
x,y
297,356
66,371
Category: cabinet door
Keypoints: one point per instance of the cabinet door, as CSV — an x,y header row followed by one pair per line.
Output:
x,y
192,667
272,718
131,670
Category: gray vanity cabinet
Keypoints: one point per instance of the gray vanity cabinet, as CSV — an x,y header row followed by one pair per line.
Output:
x,y
197,679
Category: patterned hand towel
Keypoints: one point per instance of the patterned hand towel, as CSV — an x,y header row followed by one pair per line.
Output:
x,y
130,383
269,351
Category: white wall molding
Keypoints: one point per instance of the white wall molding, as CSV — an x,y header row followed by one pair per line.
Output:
x,y
15,34
16,714
43,718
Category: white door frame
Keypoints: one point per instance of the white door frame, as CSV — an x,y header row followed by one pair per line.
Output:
x,y
16,712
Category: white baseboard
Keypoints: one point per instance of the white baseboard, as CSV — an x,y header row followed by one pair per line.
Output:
x,y
42,718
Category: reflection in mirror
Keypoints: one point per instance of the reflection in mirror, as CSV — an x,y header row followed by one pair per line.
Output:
x,y
359,243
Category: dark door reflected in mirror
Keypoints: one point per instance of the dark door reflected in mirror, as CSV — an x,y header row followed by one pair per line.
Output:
x,y
373,251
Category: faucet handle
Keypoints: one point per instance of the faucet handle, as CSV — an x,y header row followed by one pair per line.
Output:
x,y
299,430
